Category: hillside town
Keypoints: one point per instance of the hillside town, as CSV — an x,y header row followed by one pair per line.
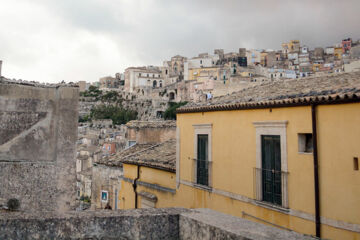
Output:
x,y
107,153
269,136
195,79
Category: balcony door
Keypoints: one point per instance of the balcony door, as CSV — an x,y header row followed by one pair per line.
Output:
x,y
271,169
202,160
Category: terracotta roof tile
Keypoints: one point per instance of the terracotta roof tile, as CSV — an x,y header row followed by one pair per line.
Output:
x,y
303,91
160,156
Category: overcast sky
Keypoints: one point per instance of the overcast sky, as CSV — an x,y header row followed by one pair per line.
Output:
x,y
72,40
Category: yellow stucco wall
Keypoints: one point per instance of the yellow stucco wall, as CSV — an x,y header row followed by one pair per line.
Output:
x,y
148,175
126,193
339,143
234,158
194,73
338,52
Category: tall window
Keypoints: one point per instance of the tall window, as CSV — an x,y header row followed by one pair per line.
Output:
x,y
202,160
271,176
271,168
202,156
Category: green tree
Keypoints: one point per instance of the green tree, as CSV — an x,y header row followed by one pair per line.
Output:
x,y
170,113
117,114
92,92
109,97
84,118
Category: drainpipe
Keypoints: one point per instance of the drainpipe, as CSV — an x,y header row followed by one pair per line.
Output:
x,y
316,172
135,186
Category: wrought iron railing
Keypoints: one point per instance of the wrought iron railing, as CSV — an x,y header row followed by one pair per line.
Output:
x,y
202,171
271,186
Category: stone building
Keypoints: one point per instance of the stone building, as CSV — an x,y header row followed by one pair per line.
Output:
x,y
292,46
203,60
141,132
83,86
173,70
147,180
143,77
109,82
38,133
355,52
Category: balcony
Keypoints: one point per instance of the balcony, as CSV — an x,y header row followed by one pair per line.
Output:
x,y
270,187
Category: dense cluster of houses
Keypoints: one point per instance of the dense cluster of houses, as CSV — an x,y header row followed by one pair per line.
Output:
x,y
220,73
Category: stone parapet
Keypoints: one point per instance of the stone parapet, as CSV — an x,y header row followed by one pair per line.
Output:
x,y
170,223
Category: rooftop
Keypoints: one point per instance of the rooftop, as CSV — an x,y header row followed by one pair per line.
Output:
x,y
332,88
4,80
160,156
151,124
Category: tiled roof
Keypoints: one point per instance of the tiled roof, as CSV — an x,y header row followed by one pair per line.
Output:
x,y
160,156
151,124
334,88
4,80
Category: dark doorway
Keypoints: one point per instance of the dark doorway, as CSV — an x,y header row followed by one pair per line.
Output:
x,y
271,169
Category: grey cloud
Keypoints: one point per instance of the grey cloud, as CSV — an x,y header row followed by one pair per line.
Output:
x,y
106,36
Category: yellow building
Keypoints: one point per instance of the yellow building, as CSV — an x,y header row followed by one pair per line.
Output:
x,y
316,67
204,73
288,157
292,46
148,175
338,51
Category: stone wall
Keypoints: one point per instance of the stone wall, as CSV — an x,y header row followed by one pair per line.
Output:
x,y
38,132
105,178
157,224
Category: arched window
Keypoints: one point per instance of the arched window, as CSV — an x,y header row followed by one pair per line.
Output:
x,y
160,84
154,83
172,96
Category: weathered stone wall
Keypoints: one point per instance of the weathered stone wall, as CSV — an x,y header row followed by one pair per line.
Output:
x,y
170,223
151,135
105,178
38,132
136,224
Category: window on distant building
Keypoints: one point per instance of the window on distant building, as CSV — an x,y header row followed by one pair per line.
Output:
x,y
131,143
200,61
305,142
104,196
202,153
139,74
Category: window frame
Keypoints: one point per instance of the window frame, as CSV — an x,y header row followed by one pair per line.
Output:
x,y
272,128
107,196
202,129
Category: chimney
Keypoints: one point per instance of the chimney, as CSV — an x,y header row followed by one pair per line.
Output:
x,y
0,67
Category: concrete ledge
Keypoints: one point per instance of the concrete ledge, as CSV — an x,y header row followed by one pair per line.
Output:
x,y
209,224
169,223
